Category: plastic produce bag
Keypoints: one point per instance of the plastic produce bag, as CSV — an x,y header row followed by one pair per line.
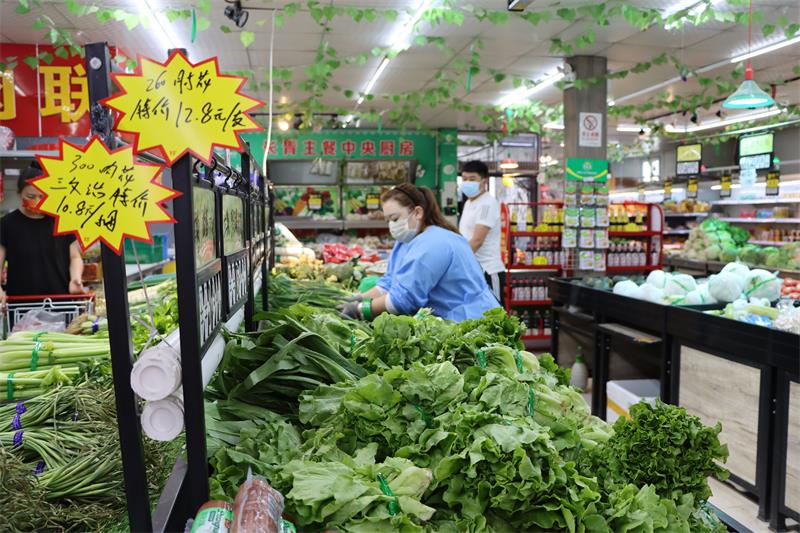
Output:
x,y
41,320
628,288
679,285
657,278
725,286
739,269
763,284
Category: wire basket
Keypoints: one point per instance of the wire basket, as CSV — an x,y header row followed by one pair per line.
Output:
x,y
68,305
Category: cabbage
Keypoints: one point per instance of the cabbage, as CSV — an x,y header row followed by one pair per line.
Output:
x,y
751,254
712,252
705,295
679,284
651,293
628,288
759,301
657,278
729,253
740,270
725,286
763,284
693,298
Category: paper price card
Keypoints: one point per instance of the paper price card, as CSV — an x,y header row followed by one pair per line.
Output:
x,y
179,107
103,195
725,186
691,188
773,183
667,189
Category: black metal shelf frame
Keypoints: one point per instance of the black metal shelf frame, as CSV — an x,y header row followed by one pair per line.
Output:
x,y
207,298
776,354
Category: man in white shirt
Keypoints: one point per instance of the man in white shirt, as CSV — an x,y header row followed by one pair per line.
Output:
x,y
480,224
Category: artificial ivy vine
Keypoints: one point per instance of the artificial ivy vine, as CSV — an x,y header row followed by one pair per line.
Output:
x,y
450,87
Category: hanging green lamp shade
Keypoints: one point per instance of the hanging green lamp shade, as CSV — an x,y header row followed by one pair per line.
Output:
x,y
749,95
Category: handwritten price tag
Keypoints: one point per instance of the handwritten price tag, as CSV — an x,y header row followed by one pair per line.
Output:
x,y
180,107
102,195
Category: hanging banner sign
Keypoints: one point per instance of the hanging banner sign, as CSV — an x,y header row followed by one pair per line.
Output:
x,y
691,188
102,195
588,170
773,183
725,186
668,190
180,107
688,157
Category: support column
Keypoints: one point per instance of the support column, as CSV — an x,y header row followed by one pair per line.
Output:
x,y
589,100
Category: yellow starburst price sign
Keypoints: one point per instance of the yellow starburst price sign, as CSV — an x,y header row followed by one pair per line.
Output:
x,y
179,107
102,195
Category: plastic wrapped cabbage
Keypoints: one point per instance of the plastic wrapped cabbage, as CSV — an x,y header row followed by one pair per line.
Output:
x,y
628,288
693,298
740,270
657,278
763,284
651,293
751,254
725,286
679,285
705,294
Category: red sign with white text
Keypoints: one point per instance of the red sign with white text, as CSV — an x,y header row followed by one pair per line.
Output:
x,y
50,101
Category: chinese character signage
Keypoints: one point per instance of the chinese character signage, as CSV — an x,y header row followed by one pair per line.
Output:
x,y
589,170
352,146
179,107
590,130
102,195
688,158
48,101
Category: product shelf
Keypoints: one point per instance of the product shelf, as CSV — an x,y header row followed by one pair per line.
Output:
x,y
770,243
536,337
522,303
633,233
686,215
761,220
640,268
536,234
677,232
535,267
756,201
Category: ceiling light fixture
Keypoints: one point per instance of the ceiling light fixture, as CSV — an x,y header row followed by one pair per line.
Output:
x,y
765,50
398,45
283,125
524,93
721,123
632,128
554,126
749,94
165,37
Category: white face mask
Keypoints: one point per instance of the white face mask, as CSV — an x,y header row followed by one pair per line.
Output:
x,y
401,230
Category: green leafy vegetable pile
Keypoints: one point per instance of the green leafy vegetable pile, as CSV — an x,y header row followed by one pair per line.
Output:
x,y
284,291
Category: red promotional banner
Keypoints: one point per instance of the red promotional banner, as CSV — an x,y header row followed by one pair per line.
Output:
x,y
49,101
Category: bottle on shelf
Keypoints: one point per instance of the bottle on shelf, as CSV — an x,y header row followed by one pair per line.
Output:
x,y
579,377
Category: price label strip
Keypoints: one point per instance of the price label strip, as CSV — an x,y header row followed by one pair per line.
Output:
x,y
773,183
180,107
102,195
691,188
315,202
725,186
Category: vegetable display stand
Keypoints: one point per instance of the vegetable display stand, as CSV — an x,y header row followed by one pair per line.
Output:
x,y
744,375
532,246
636,237
223,231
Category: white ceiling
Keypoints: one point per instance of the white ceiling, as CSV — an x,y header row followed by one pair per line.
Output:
x,y
516,48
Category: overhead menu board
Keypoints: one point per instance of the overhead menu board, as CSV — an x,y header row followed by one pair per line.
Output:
x,y
756,151
688,158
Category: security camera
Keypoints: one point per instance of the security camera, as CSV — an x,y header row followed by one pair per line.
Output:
x,y
236,14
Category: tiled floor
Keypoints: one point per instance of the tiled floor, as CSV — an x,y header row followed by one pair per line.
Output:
x,y
737,506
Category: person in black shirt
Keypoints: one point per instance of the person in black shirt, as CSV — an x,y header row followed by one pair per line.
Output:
x,y
38,261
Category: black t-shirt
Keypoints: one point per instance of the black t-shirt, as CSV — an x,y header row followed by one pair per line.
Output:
x,y
38,261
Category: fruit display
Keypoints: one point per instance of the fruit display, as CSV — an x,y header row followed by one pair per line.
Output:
x,y
316,202
687,205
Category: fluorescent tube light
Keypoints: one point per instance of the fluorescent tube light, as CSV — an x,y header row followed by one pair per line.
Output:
x,y
398,45
523,93
632,128
166,38
766,49
554,126
721,123
622,194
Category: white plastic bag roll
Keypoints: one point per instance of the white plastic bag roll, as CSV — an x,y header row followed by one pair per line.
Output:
x,y
157,373
162,420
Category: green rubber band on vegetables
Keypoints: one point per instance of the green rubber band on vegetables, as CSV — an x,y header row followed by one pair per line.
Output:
x,y
392,505
10,387
366,309
35,355
481,358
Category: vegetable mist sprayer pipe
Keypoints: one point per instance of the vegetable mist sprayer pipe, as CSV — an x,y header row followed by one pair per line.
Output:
x,y
162,420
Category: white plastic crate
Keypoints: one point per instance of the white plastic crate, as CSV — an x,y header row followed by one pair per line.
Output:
x,y
622,394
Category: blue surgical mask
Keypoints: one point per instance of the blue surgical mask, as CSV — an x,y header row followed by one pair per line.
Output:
x,y
470,189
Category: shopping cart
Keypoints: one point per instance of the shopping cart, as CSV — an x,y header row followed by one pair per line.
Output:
x,y
69,305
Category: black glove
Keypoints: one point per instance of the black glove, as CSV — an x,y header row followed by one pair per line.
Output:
x,y
352,310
